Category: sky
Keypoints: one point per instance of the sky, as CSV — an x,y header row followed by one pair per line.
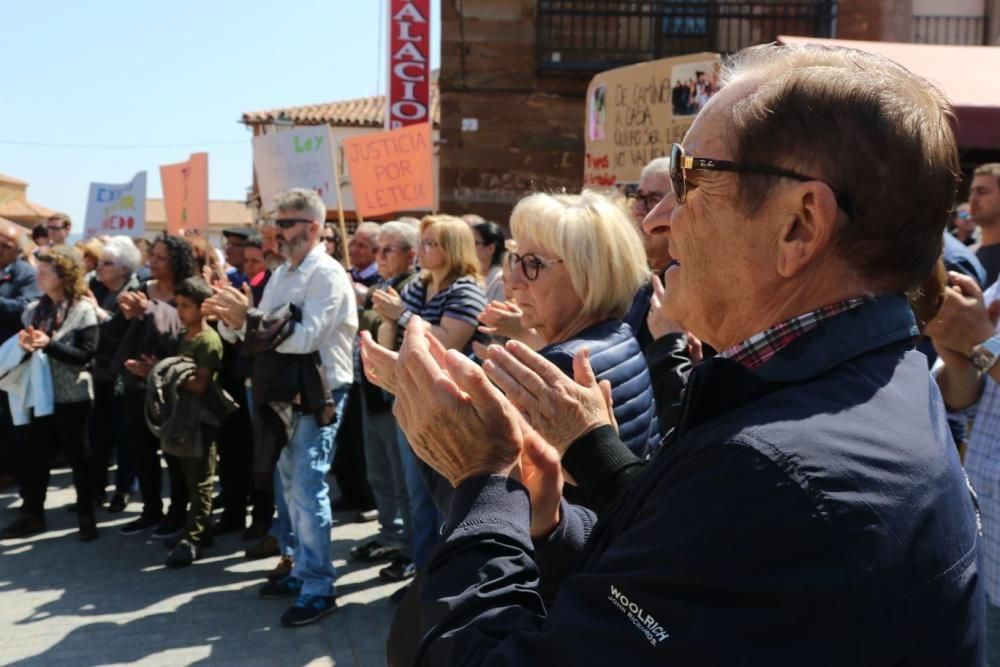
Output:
x,y
98,90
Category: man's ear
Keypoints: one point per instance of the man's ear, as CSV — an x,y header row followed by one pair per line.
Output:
x,y
811,214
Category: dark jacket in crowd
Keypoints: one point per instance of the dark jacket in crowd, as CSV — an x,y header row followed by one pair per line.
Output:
x,y
810,512
615,356
18,288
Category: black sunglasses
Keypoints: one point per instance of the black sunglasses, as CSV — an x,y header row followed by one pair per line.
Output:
x,y
530,263
680,164
288,223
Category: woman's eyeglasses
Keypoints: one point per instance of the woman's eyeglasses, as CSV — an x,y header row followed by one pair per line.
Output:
x,y
530,263
680,164
427,244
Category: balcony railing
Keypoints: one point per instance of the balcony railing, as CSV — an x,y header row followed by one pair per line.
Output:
x,y
963,30
594,35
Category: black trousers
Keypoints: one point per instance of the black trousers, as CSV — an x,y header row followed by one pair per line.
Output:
x,y
109,438
349,462
144,452
235,455
63,431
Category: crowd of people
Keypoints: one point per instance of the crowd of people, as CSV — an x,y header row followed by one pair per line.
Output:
x,y
721,421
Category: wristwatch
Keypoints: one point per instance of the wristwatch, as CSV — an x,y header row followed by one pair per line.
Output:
x,y
986,354
404,319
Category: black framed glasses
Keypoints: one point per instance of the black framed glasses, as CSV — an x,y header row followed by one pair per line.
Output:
x,y
680,164
288,223
649,200
530,263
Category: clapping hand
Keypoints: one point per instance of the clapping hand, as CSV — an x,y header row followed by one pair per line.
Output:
x,y
388,303
229,305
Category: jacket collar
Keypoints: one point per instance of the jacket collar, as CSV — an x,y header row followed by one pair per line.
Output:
x,y
876,323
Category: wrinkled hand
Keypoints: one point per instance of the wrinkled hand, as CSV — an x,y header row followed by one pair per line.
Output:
x,y
132,305
657,321
388,303
26,340
39,339
560,408
379,363
542,475
502,318
456,421
228,304
963,320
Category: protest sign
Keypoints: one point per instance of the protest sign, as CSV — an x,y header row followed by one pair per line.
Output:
x,y
297,158
409,94
392,171
634,113
117,208
185,194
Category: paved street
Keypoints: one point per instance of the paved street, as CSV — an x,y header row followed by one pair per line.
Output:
x,y
113,602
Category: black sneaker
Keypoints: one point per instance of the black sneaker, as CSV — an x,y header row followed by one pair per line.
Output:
x,y
168,528
118,503
140,525
23,526
308,609
400,569
182,555
286,587
373,551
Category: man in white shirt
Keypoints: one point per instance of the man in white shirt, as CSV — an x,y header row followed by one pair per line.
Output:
x,y
320,287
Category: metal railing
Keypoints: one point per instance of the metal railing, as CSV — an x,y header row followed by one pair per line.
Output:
x,y
963,30
595,35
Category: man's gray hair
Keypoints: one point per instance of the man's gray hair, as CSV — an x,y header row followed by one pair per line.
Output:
x,y
301,200
372,229
660,165
123,252
406,233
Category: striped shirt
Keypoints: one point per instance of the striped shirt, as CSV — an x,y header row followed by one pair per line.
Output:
x,y
462,300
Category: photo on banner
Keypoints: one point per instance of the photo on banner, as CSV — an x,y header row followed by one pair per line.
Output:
x,y
635,113
392,171
297,158
117,208
185,195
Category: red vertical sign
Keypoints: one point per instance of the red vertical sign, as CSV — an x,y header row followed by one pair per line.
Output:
x,y
409,98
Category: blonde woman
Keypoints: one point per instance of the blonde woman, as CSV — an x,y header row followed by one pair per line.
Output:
x,y
448,295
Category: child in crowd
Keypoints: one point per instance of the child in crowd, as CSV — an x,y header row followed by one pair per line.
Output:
x,y
202,344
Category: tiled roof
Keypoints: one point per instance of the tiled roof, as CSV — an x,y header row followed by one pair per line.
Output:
x,y
11,180
362,112
221,212
24,211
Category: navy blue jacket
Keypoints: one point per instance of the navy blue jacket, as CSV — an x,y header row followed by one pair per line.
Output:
x,y
615,356
811,512
18,288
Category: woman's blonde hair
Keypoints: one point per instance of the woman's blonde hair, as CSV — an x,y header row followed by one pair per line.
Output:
x,y
459,246
69,267
597,241
92,246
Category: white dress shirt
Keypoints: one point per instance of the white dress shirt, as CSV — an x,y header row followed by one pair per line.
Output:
x,y
321,288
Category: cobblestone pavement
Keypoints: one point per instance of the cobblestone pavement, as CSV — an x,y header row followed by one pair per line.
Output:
x,y
112,601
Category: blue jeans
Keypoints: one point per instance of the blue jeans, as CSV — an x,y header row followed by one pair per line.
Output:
x,y
281,527
385,476
425,519
302,467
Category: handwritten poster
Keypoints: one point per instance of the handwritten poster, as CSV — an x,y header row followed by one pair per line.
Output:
x,y
185,194
635,113
392,171
298,158
117,208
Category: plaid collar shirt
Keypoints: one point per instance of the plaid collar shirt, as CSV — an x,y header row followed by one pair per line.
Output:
x,y
756,350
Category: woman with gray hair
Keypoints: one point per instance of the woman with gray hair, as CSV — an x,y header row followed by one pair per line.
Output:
x,y
115,273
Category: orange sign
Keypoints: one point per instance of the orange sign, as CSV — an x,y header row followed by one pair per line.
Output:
x,y
185,194
392,171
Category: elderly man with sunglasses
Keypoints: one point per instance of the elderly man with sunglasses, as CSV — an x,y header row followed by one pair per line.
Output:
x,y
318,286
809,508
